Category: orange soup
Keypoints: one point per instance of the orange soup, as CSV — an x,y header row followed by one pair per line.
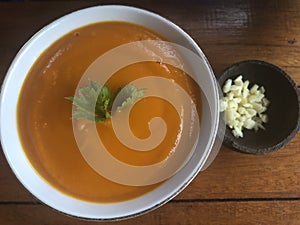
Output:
x,y
44,115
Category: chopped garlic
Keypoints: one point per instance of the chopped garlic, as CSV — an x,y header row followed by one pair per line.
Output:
x,y
254,89
243,107
265,102
226,87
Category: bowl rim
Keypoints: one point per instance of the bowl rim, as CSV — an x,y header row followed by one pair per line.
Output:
x,y
230,141
54,25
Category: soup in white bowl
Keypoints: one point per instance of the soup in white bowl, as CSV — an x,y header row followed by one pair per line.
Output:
x,y
44,145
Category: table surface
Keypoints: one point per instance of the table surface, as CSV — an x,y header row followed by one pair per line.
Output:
x,y
237,188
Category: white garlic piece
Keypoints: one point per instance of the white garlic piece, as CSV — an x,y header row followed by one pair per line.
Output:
x,y
243,107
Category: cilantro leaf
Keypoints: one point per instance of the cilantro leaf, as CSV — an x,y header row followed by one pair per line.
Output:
x,y
94,102
130,94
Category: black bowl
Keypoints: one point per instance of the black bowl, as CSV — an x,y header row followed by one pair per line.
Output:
x,y
283,111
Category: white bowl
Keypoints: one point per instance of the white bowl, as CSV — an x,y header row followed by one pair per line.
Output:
x,y
15,78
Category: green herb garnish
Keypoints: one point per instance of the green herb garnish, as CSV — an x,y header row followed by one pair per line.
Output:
x,y
103,96
130,94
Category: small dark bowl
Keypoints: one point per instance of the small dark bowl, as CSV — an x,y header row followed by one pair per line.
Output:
x,y
283,111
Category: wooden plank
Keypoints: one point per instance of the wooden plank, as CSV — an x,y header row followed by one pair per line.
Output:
x,y
187,213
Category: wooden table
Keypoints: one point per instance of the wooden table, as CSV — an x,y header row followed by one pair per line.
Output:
x,y
237,188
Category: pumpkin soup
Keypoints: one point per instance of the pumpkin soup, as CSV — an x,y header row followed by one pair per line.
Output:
x,y
44,115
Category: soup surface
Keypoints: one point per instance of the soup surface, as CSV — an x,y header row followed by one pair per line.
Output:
x,y
45,127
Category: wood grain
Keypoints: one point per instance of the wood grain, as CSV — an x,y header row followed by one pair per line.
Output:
x,y
175,213
237,188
